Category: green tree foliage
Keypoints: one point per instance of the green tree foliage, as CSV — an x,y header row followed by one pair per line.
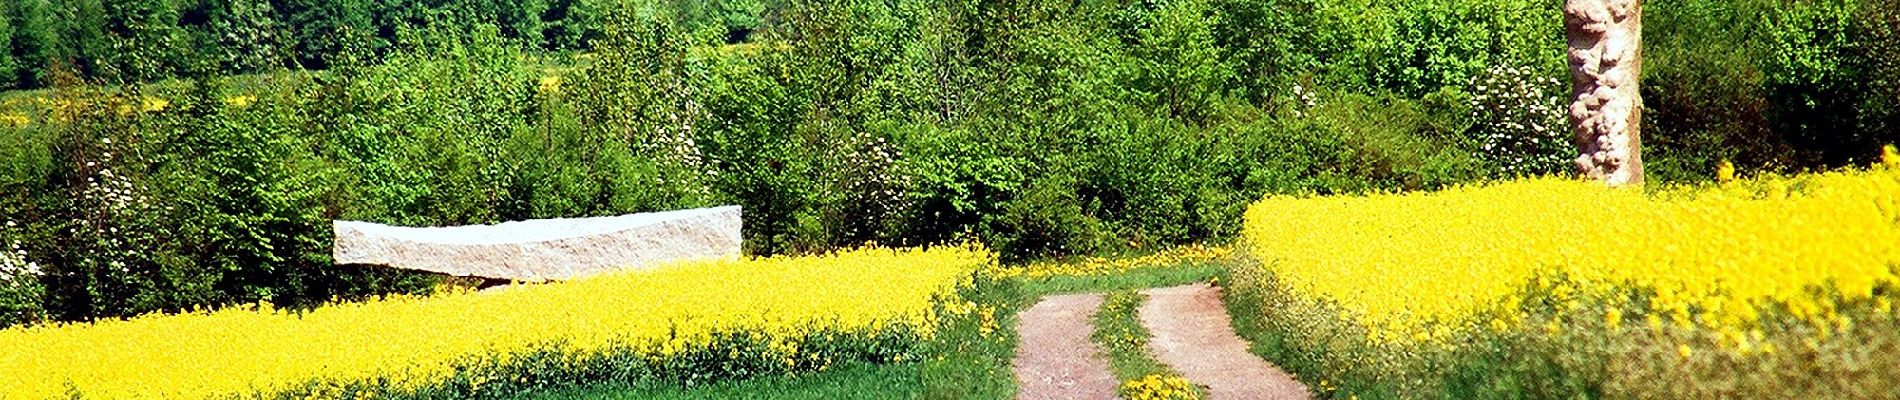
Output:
x,y
1773,86
146,41
1042,128
240,35
36,47
9,63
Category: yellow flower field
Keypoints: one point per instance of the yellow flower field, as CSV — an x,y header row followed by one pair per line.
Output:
x,y
1100,266
1419,267
415,341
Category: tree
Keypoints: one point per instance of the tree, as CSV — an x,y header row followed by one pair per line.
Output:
x,y
325,30
570,24
9,67
1605,53
89,48
146,42
36,42
244,36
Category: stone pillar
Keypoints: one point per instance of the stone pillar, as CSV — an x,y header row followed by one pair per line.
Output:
x,y
1605,50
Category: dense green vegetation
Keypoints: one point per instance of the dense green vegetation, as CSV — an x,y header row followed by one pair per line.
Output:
x,y
146,40
1041,128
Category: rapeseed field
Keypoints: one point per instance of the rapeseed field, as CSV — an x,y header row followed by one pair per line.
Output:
x,y
410,343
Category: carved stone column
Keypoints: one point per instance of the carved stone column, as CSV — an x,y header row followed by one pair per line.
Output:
x,y
1606,41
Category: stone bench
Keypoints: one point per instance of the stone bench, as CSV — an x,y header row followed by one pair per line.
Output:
x,y
545,249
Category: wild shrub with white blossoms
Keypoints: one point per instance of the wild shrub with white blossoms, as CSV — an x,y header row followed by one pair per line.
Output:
x,y
870,179
1519,120
674,143
1303,99
20,287
112,200
14,264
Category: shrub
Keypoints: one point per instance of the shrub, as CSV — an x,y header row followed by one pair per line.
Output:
x,y
1705,104
1789,87
1519,122
22,296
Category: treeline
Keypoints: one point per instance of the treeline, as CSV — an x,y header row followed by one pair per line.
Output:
x,y
1041,128
148,40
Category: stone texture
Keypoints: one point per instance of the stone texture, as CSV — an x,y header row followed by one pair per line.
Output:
x,y
548,249
1605,51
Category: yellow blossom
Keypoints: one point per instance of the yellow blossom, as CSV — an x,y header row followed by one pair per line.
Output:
x,y
414,341
240,101
1400,264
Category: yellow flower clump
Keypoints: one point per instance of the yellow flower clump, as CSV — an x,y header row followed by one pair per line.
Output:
x,y
549,84
14,120
1158,387
1099,266
240,101
414,341
1414,267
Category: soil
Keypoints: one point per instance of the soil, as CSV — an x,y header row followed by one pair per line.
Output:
x,y
1055,358
1192,335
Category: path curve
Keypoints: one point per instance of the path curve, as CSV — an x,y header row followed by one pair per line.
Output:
x,y
1055,358
1193,335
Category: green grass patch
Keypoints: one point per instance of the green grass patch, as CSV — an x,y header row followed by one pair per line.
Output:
x,y
1142,278
1119,333
1122,338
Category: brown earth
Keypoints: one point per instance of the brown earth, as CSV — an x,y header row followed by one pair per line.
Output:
x,y
1055,358
1192,335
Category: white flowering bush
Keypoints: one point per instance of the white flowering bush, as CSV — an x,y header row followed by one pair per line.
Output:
x,y
113,193
1518,120
104,245
21,292
111,204
640,91
1303,99
872,186
673,143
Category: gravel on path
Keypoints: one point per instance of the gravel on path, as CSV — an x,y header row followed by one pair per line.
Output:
x,y
1193,335
1055,358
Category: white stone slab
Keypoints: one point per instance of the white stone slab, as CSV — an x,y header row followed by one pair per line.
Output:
x,y
545,249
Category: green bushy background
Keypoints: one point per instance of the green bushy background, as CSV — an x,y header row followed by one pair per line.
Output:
x,y
1041,128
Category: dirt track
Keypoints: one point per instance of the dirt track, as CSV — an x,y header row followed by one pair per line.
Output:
x,y
1192,335
1056,359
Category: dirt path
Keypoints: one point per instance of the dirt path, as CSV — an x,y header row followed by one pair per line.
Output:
x,y
1192,335
1056,359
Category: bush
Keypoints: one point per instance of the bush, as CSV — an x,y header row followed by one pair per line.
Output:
x,y
1705,104
1774,87
1519,121
22,296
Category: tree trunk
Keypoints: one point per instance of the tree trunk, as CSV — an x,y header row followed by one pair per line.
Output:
x,y
1606,40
